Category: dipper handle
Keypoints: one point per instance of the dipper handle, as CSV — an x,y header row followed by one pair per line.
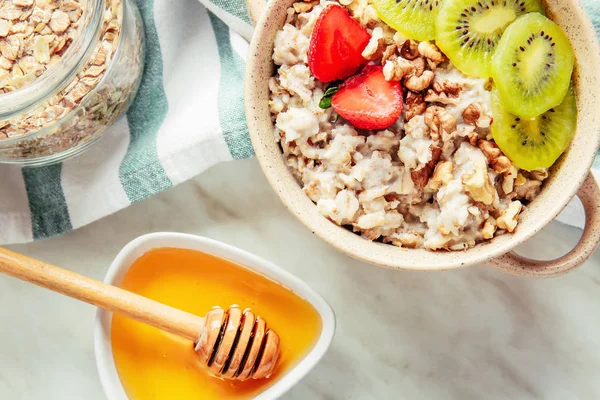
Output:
x,y
100,294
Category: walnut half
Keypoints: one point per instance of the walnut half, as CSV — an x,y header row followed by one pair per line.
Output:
x,y
417,83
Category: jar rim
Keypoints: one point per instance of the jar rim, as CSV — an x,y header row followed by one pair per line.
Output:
x,y
53,78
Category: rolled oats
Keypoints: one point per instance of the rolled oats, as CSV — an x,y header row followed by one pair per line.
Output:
x,y
41,34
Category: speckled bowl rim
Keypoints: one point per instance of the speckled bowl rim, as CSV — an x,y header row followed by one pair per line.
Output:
x,y
567,175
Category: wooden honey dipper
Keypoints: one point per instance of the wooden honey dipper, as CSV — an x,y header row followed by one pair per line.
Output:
x,y
232,344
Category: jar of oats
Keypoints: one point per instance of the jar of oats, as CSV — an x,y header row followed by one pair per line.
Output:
x,y
68,69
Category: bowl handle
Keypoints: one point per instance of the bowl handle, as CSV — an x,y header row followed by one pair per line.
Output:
x,y
514,264
256,8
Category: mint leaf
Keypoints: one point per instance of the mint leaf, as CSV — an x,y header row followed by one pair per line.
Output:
x,y
325,102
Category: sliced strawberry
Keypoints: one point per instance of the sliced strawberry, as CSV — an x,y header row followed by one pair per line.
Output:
x,y
368,101
336,45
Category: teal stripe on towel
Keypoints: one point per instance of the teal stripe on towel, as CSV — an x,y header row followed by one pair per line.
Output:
x,y
141,173
230,99
49,212
234,7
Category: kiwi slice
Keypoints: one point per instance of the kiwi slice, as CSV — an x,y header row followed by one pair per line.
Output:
x,y
413,18
538,142
532,66
468,31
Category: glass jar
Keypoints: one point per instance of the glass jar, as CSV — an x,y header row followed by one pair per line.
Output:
x,y
66,108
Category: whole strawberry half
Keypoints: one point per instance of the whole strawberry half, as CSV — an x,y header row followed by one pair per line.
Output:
x,y
368,101
336,45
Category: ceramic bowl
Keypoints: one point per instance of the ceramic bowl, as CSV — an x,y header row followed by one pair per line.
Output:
x,y
568,177
121,264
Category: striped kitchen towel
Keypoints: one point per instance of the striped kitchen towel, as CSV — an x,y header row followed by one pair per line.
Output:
x,y
188,116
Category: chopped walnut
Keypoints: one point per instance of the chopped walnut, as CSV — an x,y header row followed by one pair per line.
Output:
x,y
376,45
395,70
476,115
452,89
409,50
490,149
473,137
364,13
508,183
479,185
439,121
499,162
442,175
369,234
431,52
489,228
408,240
443,98
418,83
520,180
508,218
538,175
302,7
446,92
419,64
529,190
421,176
414,105
389,53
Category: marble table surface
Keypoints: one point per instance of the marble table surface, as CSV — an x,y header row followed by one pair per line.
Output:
x,y
468,334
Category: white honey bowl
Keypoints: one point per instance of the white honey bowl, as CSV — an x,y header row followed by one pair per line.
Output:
x,y
132,251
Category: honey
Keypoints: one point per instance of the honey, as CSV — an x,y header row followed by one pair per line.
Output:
x,y
153,364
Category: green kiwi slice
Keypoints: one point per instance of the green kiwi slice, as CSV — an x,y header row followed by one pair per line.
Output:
x,y
532,66
538,142
413,18
468,31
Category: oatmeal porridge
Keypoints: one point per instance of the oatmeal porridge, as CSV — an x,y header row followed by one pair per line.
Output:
x,y
433,176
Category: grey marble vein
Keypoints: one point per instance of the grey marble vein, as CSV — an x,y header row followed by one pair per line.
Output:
x,y
467,335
